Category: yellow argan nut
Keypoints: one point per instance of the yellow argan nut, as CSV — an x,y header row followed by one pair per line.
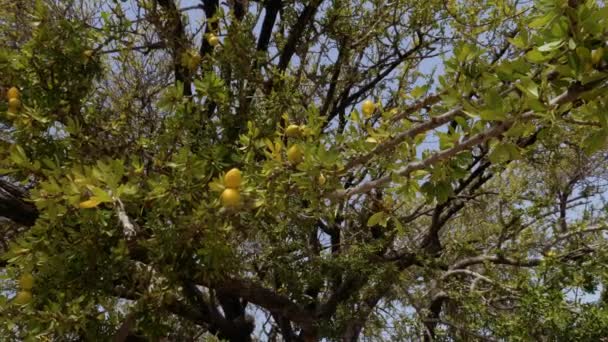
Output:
x,y
293,131
23,297
230,198
232,179
295,155
368,107
13,93
88,53
213,40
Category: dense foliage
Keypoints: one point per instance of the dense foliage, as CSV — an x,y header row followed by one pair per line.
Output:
x,y
405,170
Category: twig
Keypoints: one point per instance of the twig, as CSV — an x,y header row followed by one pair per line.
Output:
x,y
129,229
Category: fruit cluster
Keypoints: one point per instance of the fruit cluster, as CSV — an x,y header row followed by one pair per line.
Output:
x,y
231,197
294,153
26,283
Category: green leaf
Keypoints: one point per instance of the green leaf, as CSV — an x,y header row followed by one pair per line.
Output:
x,y
528,87
101,195
551,46
535,56
463,51
520,129
594,141
443,190
127,189
18,155
517,42
419,91
492,115
376,218
504,152
505,72
541,21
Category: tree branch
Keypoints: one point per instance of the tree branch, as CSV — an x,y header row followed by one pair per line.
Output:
x,y
176,39
210,7
495,259
568,96
14,206
259,295
272,9
297,32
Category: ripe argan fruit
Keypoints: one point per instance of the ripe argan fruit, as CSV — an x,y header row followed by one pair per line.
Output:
x,y
26,281
295,155
14,104
232,179
213,40
13,93
230,198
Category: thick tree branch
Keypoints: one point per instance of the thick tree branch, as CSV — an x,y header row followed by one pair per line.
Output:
x,y
389,145
272,9
418,105
496,259
232,330
342,54
297,32
14,206
210,7
433,315
259,295
176,39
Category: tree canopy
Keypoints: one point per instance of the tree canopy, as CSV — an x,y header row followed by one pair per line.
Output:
x,y
286,170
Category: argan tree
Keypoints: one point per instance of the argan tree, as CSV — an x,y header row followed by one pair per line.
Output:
x,y
287,170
